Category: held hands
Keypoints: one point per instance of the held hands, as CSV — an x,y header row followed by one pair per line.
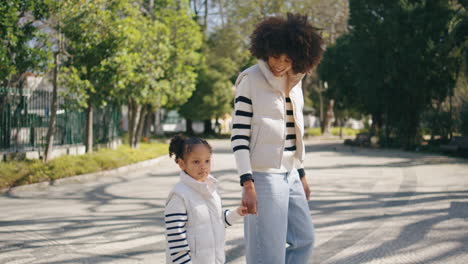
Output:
x,y
249,198
242,210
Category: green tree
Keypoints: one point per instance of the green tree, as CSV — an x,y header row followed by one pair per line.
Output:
x,y
24,48
138,53
402,62
184,41
338,69
330,16
22,43
92,36
140,67
458,102
213,96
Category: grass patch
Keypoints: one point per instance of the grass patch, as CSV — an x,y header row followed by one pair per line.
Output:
x,y
335,131
17,173
314,131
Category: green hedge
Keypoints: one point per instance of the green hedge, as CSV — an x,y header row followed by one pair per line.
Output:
x,y
17,173
335,131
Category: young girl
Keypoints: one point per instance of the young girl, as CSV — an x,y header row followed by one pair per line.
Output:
x,y
194,219
267,140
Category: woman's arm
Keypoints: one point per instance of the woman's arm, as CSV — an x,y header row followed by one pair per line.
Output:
x,y
240,141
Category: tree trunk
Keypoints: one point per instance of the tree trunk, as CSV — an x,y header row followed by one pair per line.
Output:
x,y
151,6
340,124
149,120
53,114
208,129
322,116
131,121
328,116
139,129
386,123
217,126
134,117
221,12
188,126
412,131
376,124
451,116
158,129
89,129
205,17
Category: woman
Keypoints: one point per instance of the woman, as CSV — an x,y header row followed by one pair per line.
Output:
x,y
267,140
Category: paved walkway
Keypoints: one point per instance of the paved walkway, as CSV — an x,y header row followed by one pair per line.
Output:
x,y
369,206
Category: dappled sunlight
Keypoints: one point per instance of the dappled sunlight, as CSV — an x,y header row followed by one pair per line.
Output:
x,y
363,212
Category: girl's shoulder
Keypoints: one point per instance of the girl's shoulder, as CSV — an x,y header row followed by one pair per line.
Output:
x,y
180,189
174,204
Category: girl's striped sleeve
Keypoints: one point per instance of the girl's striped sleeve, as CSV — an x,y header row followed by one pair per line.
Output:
x,y
176,233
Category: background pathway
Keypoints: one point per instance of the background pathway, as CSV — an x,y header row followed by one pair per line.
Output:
x,y
368,206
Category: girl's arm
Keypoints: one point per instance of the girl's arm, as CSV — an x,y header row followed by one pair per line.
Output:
x,y
231,216
176,233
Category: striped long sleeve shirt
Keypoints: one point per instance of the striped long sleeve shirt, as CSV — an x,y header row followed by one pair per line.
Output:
x,y
241,133
176,219
176,233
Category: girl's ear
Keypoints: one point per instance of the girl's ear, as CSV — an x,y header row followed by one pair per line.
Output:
x,y
181,164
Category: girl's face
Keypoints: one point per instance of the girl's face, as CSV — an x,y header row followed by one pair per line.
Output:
x,y
197,163
279,64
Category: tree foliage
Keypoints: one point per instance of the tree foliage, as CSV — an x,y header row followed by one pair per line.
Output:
x,y
395,62
123,53
23,48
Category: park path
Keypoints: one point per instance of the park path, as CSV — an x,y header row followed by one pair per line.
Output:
x,y
368,206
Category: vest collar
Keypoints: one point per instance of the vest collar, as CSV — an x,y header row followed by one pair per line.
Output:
x,y
273,81
277,82
205,188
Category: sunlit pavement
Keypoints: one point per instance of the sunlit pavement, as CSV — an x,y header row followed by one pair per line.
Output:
x,y
368,206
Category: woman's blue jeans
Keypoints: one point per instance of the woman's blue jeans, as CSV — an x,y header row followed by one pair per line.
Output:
x,y
282,231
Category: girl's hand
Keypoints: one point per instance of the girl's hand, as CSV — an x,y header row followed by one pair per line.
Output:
x,y
242,210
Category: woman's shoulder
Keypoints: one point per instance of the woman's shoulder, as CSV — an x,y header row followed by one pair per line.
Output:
x,y
250,73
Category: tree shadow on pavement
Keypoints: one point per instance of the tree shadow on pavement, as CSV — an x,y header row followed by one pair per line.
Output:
x,y
107,217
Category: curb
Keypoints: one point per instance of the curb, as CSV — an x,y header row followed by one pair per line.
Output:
x,y
82,178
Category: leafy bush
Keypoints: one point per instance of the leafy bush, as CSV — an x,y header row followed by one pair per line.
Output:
x,y
16,173
335,131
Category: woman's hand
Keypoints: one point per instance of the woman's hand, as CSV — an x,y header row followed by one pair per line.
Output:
x,y
306,187
249,197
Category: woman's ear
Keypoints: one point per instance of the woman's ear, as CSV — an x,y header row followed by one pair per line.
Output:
x,y
181,164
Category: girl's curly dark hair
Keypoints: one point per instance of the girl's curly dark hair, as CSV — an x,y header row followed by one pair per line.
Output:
x,y
293,36
181,145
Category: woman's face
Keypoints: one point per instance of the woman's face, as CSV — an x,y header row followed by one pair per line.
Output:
x,y
279,64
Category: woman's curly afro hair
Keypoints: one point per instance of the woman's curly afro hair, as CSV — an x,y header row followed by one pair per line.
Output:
x,y
292,36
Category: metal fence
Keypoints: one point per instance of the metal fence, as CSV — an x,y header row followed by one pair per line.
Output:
x,y
25,117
